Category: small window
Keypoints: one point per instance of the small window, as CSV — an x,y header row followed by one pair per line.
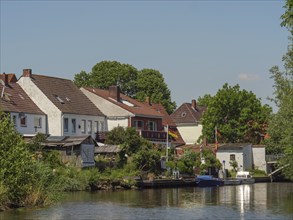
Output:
x,y
183,114
65,126
14,120
89,126
23,121
138,124
152,126
83,123
38,122
96,126
73,125
232,157
101,126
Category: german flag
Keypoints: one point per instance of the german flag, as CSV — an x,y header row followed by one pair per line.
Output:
x,y
172,134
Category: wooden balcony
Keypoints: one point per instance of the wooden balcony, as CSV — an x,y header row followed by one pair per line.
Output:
x,y
154,136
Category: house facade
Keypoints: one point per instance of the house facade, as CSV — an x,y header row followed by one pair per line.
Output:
x,y
240,152
259,157
124,111
69,112
188,121
26,116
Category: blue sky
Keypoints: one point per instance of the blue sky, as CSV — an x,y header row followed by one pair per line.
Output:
x,y
197,45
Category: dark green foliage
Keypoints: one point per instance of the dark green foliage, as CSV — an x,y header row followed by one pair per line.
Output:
x,y
237,114
151,84
133,83
281,124
15,162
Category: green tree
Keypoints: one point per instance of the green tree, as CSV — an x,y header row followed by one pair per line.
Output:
x,y
151,84
147,159
109,73
136,84
281,124
237,114
15,162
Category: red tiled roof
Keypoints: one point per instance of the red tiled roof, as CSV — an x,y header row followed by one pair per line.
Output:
x,y
65,95
137,108
16,100
186,113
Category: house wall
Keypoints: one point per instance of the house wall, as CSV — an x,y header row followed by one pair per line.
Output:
x,y
115,122
259,158
225,155
190,133
29,128
95,121
41,100
116,116
247,158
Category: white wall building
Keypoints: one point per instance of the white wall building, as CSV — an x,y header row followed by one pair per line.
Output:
x,y
242,153
27,117
188,121
69,111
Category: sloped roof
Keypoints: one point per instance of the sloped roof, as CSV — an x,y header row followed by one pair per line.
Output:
x,y
107,149
11,77
67,140
134,106
16,100
233,146
167,120
186,114
65,95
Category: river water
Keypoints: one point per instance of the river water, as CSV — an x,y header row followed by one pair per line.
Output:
x,y
256,201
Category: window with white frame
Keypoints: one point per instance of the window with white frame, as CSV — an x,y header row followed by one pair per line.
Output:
x,y
14,121
73,125
101,126
65,124
96,126
138,124
37,122
83,126
89,126
152,126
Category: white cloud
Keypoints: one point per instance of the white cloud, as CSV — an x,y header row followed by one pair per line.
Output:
x,y
248,77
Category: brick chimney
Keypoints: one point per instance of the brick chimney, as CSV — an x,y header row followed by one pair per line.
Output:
x,y
193,103
27,73
148,100
114,92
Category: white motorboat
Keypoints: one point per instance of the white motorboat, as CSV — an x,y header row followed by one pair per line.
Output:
x,y
245,177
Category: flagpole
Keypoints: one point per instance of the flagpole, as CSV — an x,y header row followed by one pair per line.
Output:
x,y
167,144
216,138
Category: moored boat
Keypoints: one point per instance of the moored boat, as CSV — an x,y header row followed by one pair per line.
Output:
x,y
207,180
230,182
245,177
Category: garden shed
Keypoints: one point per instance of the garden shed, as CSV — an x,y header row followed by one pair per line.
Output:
x,y
77,150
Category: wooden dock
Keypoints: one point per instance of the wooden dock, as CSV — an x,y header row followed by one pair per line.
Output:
x,y
166,183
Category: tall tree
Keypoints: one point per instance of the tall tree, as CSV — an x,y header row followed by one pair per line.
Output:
x,y
109,73
237,114
136,84
151,84
281,125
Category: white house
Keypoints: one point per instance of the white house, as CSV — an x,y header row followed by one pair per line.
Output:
x,y
69,111
188,120
27,117
239,152
124,111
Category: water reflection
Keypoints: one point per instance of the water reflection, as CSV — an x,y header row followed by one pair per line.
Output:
x,y
256,201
